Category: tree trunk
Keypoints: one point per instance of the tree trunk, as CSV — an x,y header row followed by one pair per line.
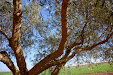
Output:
x,y
14,42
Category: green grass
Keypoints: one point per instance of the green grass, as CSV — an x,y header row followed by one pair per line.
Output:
x,y
105,67
84,69
6,73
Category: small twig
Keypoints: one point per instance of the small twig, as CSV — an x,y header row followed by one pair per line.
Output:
x,y
2,32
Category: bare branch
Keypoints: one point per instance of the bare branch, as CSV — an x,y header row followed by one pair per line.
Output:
x,y
62,45
82,40
69,49
102,42
2,32
4,57
82,36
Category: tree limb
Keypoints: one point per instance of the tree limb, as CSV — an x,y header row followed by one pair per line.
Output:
x,y
14,42
62,45
59,66
82,36
4,57
57,62
52,63
2,32
102,42
68,51
71,47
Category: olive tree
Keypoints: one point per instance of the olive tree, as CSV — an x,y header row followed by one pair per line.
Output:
x,y
78,27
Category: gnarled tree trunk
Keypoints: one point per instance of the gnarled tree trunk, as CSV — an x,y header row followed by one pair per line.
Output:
x,y
14,42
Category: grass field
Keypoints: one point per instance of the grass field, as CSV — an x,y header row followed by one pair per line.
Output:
x,y
105,67
6,73
85,69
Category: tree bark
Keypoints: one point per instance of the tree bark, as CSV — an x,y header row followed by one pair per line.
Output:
x,y
14,42
4,57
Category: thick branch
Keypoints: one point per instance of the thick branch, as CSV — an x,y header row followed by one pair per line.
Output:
x,y
57,62
68,51
52,63
59,66
57,69
4,57
14,42
60,50
2,32
61,61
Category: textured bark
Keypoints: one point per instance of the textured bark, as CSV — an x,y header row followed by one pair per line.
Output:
x,y
57,69
14,42
62,45
60,63
50,64
4,57
59,66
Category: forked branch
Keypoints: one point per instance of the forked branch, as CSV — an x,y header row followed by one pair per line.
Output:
x,y
2,32
62,45
52,63
68,51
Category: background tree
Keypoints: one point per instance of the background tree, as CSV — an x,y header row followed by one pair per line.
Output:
x,y
73,29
